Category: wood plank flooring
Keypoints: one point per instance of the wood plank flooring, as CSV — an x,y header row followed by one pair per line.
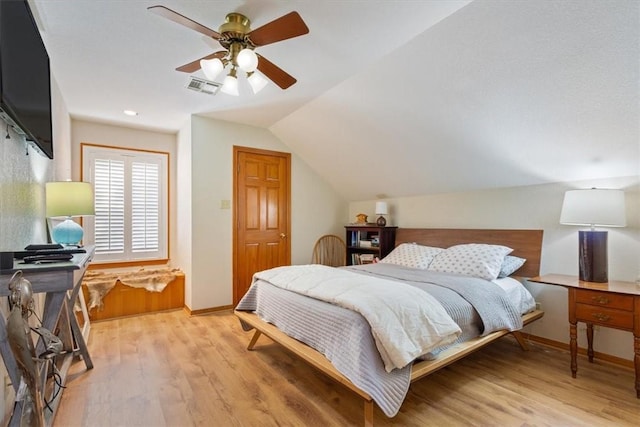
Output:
x,y
169,369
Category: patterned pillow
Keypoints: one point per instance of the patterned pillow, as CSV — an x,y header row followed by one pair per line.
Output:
x,y
474,259
510,265
412,255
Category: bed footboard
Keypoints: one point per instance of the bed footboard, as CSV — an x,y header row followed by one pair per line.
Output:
x,y
419,370
307,354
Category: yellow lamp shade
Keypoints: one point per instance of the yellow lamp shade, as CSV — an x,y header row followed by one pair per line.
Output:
x,y
68,198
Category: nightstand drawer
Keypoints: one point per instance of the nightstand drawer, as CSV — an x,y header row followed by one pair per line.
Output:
x,y
604,316
609,300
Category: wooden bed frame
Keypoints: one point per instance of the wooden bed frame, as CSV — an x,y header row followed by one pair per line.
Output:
x,y
525,243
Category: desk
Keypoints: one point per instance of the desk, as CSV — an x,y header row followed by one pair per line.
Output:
x,y
615,304
61,282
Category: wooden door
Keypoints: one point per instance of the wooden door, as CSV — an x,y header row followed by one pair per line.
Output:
x,y
261,214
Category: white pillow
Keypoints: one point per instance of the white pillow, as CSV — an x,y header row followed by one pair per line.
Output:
x,y
473,259
412,255
510,265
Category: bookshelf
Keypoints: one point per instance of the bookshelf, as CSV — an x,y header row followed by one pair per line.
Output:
x,y
366,242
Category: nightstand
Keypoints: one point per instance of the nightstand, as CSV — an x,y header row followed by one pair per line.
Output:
x,y
615,304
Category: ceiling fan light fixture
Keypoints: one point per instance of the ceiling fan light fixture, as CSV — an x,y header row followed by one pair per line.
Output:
x,y
211,67
257,82
230,85
247,60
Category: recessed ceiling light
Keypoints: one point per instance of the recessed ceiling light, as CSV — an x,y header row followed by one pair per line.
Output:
x,y
130,112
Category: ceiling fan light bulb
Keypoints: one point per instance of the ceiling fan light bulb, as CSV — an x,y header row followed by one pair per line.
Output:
x,y
230,86
247,60
257,82
211,67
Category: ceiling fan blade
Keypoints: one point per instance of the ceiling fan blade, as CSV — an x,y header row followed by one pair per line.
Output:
x,y
194,66
286,27
275,73
183,20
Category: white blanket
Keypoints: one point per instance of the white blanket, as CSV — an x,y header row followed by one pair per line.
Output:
x,y
406,322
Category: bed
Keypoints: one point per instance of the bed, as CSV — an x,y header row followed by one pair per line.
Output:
x,y
340,341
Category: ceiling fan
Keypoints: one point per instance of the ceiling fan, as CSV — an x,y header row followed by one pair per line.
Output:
x,y
235,35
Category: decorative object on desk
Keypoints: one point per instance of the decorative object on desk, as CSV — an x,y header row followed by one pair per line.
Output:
x,y
381,209
68,199
361,219
19,337
593,207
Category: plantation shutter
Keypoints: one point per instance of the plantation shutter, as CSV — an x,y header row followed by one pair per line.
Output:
x,y
109,192
131,204
145,204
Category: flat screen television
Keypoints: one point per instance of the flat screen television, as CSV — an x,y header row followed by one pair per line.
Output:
x,y
25,85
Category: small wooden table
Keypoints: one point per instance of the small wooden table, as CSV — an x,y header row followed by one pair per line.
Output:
x,y
61,282
615,304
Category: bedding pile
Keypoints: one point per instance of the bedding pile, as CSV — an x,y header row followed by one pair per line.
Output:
x,y
405,321
345,337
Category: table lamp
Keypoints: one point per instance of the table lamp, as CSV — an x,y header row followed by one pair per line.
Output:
x,y
593,207
381,209
68,199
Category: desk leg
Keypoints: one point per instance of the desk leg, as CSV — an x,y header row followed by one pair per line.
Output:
x,y
75,327
79,338
590,341
636,360
573,346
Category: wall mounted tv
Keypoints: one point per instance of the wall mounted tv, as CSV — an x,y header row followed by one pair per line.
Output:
x,y
25,85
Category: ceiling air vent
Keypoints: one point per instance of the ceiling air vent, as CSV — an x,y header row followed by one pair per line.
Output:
x,y
202,85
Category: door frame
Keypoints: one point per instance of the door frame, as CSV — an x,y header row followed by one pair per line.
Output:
x,y
287,158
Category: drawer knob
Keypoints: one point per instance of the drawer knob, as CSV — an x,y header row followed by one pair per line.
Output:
x,y
600,299
602,317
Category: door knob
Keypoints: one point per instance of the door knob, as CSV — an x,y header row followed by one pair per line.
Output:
x,y
283,236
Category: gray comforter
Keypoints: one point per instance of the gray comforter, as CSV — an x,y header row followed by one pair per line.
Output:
x,y
344,337
487,298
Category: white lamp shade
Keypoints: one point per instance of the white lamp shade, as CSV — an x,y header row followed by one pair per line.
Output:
x,y
211,67
594,207
247,60
381,208
230,86
68,198
257,82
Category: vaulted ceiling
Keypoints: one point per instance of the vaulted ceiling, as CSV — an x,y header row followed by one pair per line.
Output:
x,y
394,98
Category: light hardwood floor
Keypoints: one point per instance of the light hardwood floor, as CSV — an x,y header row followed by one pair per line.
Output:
x,y
170,369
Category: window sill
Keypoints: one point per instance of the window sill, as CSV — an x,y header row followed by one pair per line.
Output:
x,y
121,264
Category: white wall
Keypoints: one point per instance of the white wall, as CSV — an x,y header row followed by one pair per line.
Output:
x,y
184,208
535,207
316,208
118,136
61,130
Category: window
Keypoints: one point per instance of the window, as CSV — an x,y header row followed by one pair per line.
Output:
x,y
131,203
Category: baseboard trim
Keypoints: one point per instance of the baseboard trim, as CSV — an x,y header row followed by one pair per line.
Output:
x,y
582,351
207,310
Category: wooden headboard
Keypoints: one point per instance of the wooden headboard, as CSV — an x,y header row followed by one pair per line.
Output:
x,y
525,243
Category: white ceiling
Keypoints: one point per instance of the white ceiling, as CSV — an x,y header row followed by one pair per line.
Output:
x,y
394,98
